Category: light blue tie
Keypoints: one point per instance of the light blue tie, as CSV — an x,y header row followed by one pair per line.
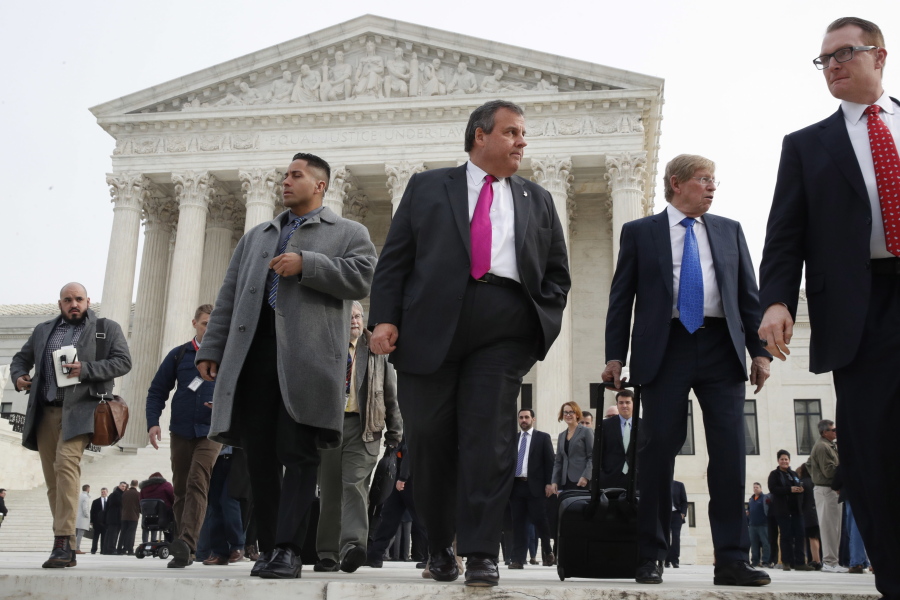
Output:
x,y
690,286
273,291
520,461
626,439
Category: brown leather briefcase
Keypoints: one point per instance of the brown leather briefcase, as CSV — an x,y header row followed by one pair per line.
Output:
x,y
110,420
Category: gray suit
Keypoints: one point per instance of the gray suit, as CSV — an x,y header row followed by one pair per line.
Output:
x,y
578,462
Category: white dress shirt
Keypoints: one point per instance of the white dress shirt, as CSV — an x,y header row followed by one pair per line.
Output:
x,y
503,234
527,435
623,422
858,128
712,301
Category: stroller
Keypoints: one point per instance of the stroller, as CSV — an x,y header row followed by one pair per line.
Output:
x,y
157,519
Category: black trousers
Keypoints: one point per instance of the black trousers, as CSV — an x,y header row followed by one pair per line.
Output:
x,y
458,419
110,539
525,507
868,409
705,362
793,539
99,533
275,444
674,555
391,516
126,537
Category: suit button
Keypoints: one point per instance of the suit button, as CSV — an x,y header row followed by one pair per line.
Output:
x,y
868,220
253,290
242,328
265,255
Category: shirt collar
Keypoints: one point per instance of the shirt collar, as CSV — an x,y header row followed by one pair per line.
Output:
x,y
676,216
289,216
853,112
353,343
477,174
623,420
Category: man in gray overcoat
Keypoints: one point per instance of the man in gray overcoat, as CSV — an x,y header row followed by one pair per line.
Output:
x,y
59,421
276,346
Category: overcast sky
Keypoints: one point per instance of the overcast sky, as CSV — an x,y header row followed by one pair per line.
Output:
x,y
738,77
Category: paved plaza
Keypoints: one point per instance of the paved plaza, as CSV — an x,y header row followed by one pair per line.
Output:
x,y
96,576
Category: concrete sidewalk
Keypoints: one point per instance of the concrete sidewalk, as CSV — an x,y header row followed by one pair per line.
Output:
x,y
98,576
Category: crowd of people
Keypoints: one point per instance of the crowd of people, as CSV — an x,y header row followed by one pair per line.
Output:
x,y
467,294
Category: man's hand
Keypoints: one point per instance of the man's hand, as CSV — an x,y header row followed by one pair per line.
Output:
x,y
582,482
384,338
400,485
155,434
759,372
549,490
776,330
23,383
207,369
613,373
555,489
287,264
74,369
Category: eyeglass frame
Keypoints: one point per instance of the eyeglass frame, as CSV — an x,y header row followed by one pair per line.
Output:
x,y
817,61
709,180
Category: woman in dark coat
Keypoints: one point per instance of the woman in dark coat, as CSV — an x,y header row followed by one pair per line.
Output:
x,y
787,502
113,519
810,519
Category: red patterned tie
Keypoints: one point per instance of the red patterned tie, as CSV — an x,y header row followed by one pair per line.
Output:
x,y
480,229
887,176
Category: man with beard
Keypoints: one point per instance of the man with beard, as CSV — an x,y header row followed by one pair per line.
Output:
x,y
59,421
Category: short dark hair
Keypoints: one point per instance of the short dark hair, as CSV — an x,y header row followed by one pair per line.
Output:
x,y
757,483
871,32
2,490
483,117
134,482
528,409
84,488
317,163
781,453
586,413
203,309
626,393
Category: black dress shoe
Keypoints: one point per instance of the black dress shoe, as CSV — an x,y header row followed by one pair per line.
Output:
x,y
482,571
326,565
377,563
353,559
419,565
676,565
284,564
668,565
62,555
515,565
442,565
262,560
740,573
549,559
649,571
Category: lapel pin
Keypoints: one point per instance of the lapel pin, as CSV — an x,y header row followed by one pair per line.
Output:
x,y
524,193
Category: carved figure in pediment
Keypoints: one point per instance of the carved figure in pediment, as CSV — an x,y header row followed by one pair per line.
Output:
x,y
463,81
307,87
396,82
369,73
281,89
545,86
337,81
605,125
191,104
247,96
414,75
492,84
435,84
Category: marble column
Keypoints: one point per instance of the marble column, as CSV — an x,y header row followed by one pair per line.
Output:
x,y
554,377
398,175
193,190
625,173
262,194
223,210
337,189
160,216
128,191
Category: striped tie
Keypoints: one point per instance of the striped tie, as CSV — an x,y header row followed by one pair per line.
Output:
x,y
520,460
274,289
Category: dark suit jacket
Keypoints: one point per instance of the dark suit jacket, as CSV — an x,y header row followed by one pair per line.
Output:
x,y
643,280
679,497
113,514
98,513
540,461
613,453
821,216
424,265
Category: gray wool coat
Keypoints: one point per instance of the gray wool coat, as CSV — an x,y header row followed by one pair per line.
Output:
x,y
312,320
97,376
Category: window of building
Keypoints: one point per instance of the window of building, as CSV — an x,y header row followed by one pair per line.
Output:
x,y
751,431
688,447
5,408
691,521
807,414
525,396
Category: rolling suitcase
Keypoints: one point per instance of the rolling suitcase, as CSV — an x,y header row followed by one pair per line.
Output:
x,y
598,534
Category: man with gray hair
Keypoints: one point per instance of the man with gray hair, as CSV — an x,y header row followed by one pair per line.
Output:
x,y
370,388
59,420
822,463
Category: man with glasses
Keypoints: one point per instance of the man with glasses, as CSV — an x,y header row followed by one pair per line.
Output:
x,y
823,462
370,389
835,213
688,278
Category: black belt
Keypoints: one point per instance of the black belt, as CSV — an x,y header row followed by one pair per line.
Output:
x,y
708,322
886,266
55,403
497,280
350,413
521,479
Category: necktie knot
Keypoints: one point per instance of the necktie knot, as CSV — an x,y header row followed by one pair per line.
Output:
x,y
873,110
688,222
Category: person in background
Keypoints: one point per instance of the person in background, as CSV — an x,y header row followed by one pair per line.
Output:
x,y
787,504
83,521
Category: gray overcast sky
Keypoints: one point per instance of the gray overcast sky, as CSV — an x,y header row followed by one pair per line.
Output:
x,y
738,77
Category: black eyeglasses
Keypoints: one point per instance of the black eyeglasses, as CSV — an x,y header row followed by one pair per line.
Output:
x,y
843,55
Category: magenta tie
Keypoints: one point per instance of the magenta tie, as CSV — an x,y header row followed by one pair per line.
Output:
x,y
480,229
